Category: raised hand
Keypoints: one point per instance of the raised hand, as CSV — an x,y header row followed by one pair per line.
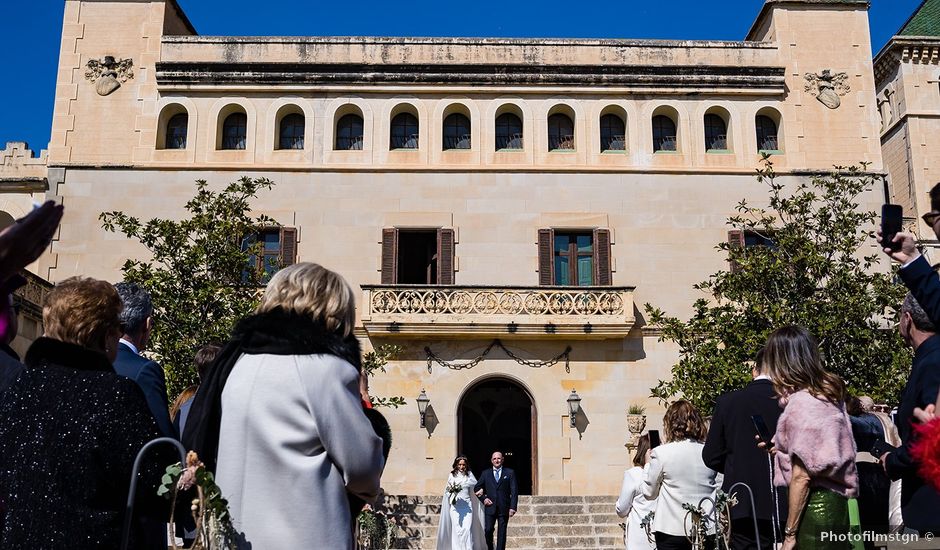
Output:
x,y
908,250
25,240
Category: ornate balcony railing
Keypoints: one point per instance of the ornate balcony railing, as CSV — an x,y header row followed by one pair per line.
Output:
x,y
506,311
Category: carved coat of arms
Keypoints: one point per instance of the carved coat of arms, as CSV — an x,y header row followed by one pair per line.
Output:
x,y
828,87
108,73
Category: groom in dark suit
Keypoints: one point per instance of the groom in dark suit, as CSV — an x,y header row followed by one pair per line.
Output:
x,y
500,494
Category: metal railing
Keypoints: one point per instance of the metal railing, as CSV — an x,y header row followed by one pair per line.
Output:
x,y
353,143
511,141
769,143
614,143
561,143
236,142
665,143
457,142
718,143
405,142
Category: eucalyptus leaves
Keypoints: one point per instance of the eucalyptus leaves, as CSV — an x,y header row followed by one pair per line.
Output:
x,y
214,529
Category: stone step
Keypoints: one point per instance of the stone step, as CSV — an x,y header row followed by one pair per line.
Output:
x,y
543,522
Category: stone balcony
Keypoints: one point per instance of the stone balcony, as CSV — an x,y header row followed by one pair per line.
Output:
x,y
497,311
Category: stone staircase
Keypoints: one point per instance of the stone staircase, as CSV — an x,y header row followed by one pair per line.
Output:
x,y
542,522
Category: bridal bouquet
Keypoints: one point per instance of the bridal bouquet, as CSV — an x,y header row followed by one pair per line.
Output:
x,y
453,489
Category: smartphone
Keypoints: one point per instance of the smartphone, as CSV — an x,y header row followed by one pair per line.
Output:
x,y
762,430
879,447
654,439
891,221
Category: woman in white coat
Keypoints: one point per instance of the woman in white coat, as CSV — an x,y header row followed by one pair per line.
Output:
x,y
281,413
677,475
461,525
632,504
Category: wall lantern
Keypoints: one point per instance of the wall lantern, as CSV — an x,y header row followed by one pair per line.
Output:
x,y
574,407
423,402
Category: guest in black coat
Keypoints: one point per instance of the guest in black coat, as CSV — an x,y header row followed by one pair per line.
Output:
x,y
71,430
498,490
919,501
730,449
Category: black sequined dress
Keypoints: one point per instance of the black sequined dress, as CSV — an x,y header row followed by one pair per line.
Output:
x,y
70,429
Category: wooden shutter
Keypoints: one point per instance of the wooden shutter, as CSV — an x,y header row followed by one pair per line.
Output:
x,y
735,240
445,256
288,241
546,261
389,256
602,272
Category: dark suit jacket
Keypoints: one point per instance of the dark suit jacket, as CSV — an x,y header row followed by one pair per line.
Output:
x,y
10,368
730,447
149,376
505,494
919,501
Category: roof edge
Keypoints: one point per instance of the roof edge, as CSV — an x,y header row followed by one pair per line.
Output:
x,y
770,4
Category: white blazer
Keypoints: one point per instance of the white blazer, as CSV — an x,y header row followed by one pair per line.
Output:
x,y
676,476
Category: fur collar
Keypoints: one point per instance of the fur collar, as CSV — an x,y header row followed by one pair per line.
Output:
x,y
281,332
49,351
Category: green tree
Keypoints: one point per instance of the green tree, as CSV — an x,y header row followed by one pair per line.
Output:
x,y
197,276
811,271
375,361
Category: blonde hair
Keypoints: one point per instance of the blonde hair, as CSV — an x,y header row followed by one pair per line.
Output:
x,y
792,360
312,290
82,311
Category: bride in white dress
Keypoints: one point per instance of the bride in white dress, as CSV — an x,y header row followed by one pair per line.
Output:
x,y
461,526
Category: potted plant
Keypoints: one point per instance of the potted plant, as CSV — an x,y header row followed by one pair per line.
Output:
x,y
636,422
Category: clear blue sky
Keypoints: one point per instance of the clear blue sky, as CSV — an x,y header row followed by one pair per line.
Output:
x,y
30,31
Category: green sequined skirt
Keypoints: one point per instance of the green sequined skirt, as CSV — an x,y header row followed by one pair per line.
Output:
x,y
825,522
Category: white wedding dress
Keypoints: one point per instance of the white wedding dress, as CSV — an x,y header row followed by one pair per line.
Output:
x,y
461,526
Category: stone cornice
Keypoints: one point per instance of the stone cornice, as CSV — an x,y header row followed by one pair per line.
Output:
x,y
905,49
770,80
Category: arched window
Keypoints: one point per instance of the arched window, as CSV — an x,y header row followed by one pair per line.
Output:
x,y
766,133
613,133
404,132
456,132
664,133
234,131
176,129
716,133
560,133
291,135
508,132
349,133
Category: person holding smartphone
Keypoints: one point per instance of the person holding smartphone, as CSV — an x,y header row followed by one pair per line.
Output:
x,y
814,450
729,449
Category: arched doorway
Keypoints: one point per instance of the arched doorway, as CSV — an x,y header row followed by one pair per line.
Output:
x,y
498,414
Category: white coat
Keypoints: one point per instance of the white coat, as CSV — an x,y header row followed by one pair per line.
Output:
x,y
293,441
677,475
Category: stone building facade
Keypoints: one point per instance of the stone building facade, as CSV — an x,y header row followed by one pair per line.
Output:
x,y
907,78
536,192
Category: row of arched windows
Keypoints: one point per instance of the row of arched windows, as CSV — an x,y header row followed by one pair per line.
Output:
x,y
456,132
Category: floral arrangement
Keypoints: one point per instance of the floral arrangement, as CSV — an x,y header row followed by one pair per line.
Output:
x,y
214,529
375,530
453,489
702,520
